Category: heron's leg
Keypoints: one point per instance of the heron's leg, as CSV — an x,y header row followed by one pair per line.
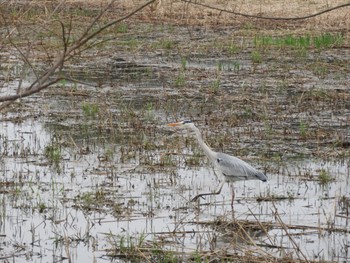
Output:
x,y
214,193
232,194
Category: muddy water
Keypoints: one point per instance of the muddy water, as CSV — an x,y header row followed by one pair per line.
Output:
x,y
122,179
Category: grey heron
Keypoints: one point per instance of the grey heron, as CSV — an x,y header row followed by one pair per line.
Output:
x,y
232,168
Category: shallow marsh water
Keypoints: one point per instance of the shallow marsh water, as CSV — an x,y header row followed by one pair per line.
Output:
x,y
91,172
78,210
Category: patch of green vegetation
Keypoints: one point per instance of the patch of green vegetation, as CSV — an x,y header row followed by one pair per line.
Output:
x,y
228,66
130,43
248,112
219,66
324,177
301,52
62,83
183,63
167,160
317,93
166,28
150,111
41,207
148,144
122,28
92,200
167,44
83,12
118,209
53,153
214,86
256,57
344,203
233,48
90,110
128,246
236,66
267,127
180,80
108,154
138,249
325,40
282,85
321,70
303,129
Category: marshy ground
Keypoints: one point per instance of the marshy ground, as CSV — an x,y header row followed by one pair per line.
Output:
x,y
91,173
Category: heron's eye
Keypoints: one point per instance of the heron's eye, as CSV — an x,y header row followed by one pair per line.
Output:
x,y
219,160
184,122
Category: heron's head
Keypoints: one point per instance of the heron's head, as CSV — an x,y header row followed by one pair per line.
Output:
x,y
185,124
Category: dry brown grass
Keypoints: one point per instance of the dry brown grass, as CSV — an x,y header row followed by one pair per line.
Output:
x,y
179,12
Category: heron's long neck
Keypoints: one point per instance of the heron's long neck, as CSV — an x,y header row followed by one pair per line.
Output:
x,y
208,152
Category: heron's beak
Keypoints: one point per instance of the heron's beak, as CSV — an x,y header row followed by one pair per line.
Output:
x,y
174,124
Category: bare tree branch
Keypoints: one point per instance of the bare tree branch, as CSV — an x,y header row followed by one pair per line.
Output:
x,y
27,93
266,17
43,81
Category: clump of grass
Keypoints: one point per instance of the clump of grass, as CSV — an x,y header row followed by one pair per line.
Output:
x,y
128,246
256,57
317,93
90,110
122,28
138,249
303,129
344,204
42,207
108,154
183,63
131,43
236,66
92,200
215,86
321,70
167,160
325,40
324,177
233,48
149,111
180,80
53,153
167,44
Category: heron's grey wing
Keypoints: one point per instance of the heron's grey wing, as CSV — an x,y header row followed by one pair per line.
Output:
x,y
236,169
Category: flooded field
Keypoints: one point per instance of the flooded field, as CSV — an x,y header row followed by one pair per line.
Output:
x,y
91,173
